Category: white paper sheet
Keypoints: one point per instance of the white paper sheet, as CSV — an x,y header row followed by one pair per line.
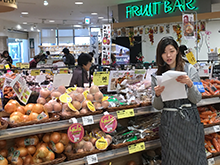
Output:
x,y
173,90
61,79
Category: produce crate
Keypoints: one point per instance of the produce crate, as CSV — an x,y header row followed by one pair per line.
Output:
x,y
52,117
4,124
59,159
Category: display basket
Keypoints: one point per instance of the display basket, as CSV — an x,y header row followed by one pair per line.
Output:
x,y
60,158
52,117
4,124
120,145
154,137
64,117
72,156
145,103
112,109
206,97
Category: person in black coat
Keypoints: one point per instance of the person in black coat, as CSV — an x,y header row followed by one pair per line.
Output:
x,y
68,58
8,58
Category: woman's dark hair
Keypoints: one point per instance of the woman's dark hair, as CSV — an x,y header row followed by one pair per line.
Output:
x,y
5,52
162,66
48,52
37,57
91,54
113,58
83,59
182,48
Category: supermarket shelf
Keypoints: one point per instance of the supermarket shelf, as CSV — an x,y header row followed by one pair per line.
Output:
x,y
209,101
112,154
214,161
61,125
212,129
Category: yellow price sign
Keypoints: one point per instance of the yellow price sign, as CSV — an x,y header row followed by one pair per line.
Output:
x,y
191,58
91,106
18,64
64,71
24,65
7,66
49,72
35,72
1,66
85,93
70,105
65,98
101,78
125,113
105,98
70,89
136,147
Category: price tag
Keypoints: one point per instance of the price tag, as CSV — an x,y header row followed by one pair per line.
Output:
x,y
140,71
125,113
136,147
64,71
87,120
48,72
211,161
75,132
216,128
191,58
101,78
24,65
108,123
91,159
1,66
65,98
35,72
7,66
105,98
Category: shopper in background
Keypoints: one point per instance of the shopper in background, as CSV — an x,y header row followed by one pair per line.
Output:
x,y
68,58
8,58
181,132
33,63
92,55
47,54
182,49
80,75
113,58
2,60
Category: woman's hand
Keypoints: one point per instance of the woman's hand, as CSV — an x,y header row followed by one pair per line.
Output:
x,y
185,80
158,90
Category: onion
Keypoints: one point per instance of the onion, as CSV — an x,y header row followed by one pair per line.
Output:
x,y
41,100
42,152
88,146
34,140
20,109
61,89
57,107
2,144
84,103
94,89
48,107
37,161
79,90
44,93
37,108
15,119
46,138
20,142
55,137
25,118
93,140
109,137
31,149
23,151
98,96
80,144
16,114
50,156
84,111
105,104
28,160
28,108
80,150
4,153
33,116
68,148
73,96
64,138
77,105
10,107
55,94
4,162
80,97
90,97
18,162
59,148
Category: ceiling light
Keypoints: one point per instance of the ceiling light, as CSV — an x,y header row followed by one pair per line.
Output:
x,y
78,3
100,17
77,25
24,23
51,29
51,21
45,3
18,27
25,29
38,30
24,12
32,29
94,13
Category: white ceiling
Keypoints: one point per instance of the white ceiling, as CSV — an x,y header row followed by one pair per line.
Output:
x,y
62,11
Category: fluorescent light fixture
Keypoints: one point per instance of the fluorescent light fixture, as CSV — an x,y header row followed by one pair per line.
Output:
x,y
24,12
38,30
51,29
80,23
87,21
32,29
77,25
78,3
24,23
94,13
100,17
51,21
45,3
25,29
18,27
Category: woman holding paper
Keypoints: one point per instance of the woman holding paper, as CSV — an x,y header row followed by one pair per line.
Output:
x,y
181,132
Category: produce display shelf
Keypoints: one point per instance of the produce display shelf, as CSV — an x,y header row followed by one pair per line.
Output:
x,y
112,154
214,160
61,125
208,101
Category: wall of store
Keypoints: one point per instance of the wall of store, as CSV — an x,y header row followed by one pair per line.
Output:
x,y
36,37
149,51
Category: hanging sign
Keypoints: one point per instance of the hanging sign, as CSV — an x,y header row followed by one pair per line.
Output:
x,y
101,78
94,46
188,26
75,133
191,58
6,5
108,123
106,44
